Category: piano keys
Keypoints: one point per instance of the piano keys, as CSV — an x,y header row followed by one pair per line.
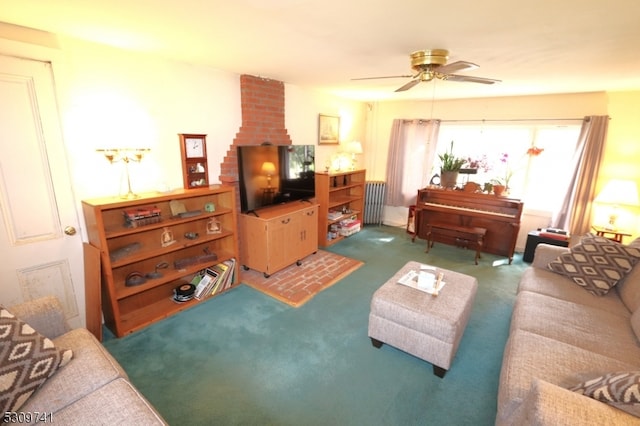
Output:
x,y
500,216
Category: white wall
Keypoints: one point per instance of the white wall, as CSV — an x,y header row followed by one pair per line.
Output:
x,y
623,155
302,107
112,97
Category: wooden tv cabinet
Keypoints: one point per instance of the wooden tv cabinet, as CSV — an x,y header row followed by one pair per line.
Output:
x,y
278,236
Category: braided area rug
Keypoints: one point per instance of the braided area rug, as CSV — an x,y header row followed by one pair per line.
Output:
x,y
295,285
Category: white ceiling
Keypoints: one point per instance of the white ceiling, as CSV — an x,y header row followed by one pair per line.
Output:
x,y
534,47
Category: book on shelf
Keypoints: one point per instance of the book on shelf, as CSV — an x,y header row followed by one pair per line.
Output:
x,y
201,282
215,279
216,287
334,215
207,281
226,272
231,272
214,282
221,268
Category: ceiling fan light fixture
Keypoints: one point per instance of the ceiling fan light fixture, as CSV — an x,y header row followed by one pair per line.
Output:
x,y
432,64
431,58
427,75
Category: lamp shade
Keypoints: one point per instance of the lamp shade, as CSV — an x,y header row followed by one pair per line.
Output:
x,y
619,192
354,147
268,168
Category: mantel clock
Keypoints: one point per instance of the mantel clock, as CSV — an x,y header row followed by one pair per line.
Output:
x,y
194,160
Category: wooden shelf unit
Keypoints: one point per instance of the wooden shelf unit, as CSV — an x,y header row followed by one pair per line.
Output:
x,y
130,308
335,191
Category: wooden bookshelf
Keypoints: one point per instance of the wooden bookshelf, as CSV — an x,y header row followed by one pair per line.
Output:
x,y
127,308
335,191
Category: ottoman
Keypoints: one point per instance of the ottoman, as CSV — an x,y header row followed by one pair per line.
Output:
x,y
428,327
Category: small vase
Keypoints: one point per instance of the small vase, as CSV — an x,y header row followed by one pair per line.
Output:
x,y
499,189
448,179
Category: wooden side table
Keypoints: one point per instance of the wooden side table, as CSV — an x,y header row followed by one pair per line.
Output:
x,y
267,195
616,235
534,238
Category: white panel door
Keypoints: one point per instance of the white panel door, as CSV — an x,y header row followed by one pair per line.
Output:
x,y
40,241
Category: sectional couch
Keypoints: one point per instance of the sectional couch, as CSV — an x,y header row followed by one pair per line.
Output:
x,y
91,388
565,343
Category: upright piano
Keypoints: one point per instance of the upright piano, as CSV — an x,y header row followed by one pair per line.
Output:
x,y
500,216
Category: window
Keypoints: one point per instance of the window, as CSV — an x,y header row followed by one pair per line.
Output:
x,y
501,150
299,162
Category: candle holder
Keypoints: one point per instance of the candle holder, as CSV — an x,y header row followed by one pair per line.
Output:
x,y
126,155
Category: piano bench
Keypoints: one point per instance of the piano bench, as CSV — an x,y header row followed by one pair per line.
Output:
x,y
468,234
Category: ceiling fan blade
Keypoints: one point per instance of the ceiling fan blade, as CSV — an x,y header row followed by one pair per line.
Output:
x,y
470,79
457,66
387,76
409,85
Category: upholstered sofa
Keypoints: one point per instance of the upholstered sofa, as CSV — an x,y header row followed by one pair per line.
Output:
x,y
562,341
90,388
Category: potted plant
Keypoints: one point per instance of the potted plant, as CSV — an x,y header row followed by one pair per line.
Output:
x,y
501,184
498,186
450,168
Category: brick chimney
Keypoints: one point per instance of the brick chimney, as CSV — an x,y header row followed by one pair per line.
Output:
x,y
262,103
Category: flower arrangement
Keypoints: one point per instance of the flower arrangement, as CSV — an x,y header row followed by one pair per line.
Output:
x,y
504,159
451,163
533,151
480,163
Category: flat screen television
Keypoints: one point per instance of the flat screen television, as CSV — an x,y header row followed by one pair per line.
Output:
x,y
275,174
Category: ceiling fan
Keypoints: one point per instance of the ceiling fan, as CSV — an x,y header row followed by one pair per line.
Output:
x,y
432,63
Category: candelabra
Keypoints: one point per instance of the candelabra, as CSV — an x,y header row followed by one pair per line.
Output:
x,y
126,155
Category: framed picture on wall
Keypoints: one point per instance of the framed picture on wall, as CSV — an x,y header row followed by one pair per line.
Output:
x,y
328,129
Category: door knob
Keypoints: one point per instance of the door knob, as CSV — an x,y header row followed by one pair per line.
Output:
x,y
70,230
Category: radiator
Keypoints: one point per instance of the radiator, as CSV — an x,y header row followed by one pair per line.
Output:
x,y
374,202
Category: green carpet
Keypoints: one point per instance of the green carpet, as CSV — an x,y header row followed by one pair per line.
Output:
x,y
243,358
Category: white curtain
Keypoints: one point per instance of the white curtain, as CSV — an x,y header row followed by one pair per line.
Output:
x,y
574,213
412,149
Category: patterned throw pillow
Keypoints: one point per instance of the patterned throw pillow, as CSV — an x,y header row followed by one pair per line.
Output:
x,y
596,264
620,389
27,360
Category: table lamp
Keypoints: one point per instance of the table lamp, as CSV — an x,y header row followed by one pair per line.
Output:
x,y
354,148
269,169
615,193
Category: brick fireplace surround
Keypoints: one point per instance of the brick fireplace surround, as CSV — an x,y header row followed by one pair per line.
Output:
x,y
262,104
